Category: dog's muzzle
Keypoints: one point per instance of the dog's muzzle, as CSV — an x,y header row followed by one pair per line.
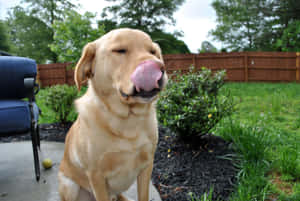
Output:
x,y
147,79
146,94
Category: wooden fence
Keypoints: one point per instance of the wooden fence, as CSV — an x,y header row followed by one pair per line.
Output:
x,y
240,67
244,66
56,73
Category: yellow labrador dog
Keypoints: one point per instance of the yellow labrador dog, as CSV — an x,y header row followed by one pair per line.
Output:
x,y
113,140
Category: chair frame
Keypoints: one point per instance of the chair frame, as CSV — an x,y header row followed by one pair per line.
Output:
x,y
34,129
32,89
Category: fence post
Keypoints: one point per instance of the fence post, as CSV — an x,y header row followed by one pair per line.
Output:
x,y
246,67
38,74
65,73
194,61
297,66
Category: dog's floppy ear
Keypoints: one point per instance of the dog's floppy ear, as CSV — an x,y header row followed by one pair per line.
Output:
x,y
84,68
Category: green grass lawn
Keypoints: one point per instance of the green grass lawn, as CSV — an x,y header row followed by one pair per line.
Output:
x,y
277,105
265,129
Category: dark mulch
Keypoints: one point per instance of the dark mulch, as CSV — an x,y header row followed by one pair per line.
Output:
x,y
49,132
179,168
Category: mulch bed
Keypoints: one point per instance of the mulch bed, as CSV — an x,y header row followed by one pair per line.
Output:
x,y
179,168
49,132
184,168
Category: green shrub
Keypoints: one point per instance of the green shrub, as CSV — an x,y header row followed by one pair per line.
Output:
x,y
191,106
60,99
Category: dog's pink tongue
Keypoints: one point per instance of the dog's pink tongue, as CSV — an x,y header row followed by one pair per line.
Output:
x,y
146,76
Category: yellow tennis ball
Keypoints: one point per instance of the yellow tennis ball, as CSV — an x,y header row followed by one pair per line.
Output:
x,y
47,163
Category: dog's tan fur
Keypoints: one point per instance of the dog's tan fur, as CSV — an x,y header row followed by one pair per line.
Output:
x,y
113,140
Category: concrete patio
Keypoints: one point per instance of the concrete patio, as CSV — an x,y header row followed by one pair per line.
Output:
x,y
17,179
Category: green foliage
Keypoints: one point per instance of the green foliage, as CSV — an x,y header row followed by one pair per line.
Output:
x,y
142,14
254,25
204,197
252,145
72,34
30,28
271,139
48,115
250,142
191,105
290,39
49,10
207,47
150,17
288,161
168,43
60,99
285,11
239,23
108,25
252,185
4,43
29,35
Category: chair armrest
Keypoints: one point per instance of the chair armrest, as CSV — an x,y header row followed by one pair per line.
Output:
x,y
31,87
29,83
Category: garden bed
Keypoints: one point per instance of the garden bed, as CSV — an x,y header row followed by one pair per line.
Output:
x,y
179,169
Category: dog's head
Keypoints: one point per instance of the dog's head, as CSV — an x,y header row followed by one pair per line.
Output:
x,y
125,62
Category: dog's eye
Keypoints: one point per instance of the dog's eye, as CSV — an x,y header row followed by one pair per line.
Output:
x,y
153,52
120,51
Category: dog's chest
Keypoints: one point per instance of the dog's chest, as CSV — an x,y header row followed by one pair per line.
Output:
x,y
122,168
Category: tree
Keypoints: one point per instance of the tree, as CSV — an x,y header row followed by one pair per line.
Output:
x,y
29,35
4,43
108,24
284,19
285,11
142,14
239,23
31,28
150,17
207,47
290,39
72,34
169,43
257,24
49,10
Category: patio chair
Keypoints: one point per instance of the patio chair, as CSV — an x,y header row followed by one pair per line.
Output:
x,y
18,110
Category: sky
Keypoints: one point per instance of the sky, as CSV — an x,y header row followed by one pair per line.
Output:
x,y
195,18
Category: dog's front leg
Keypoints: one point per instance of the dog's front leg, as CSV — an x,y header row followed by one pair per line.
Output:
x,y
143,182
99,186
